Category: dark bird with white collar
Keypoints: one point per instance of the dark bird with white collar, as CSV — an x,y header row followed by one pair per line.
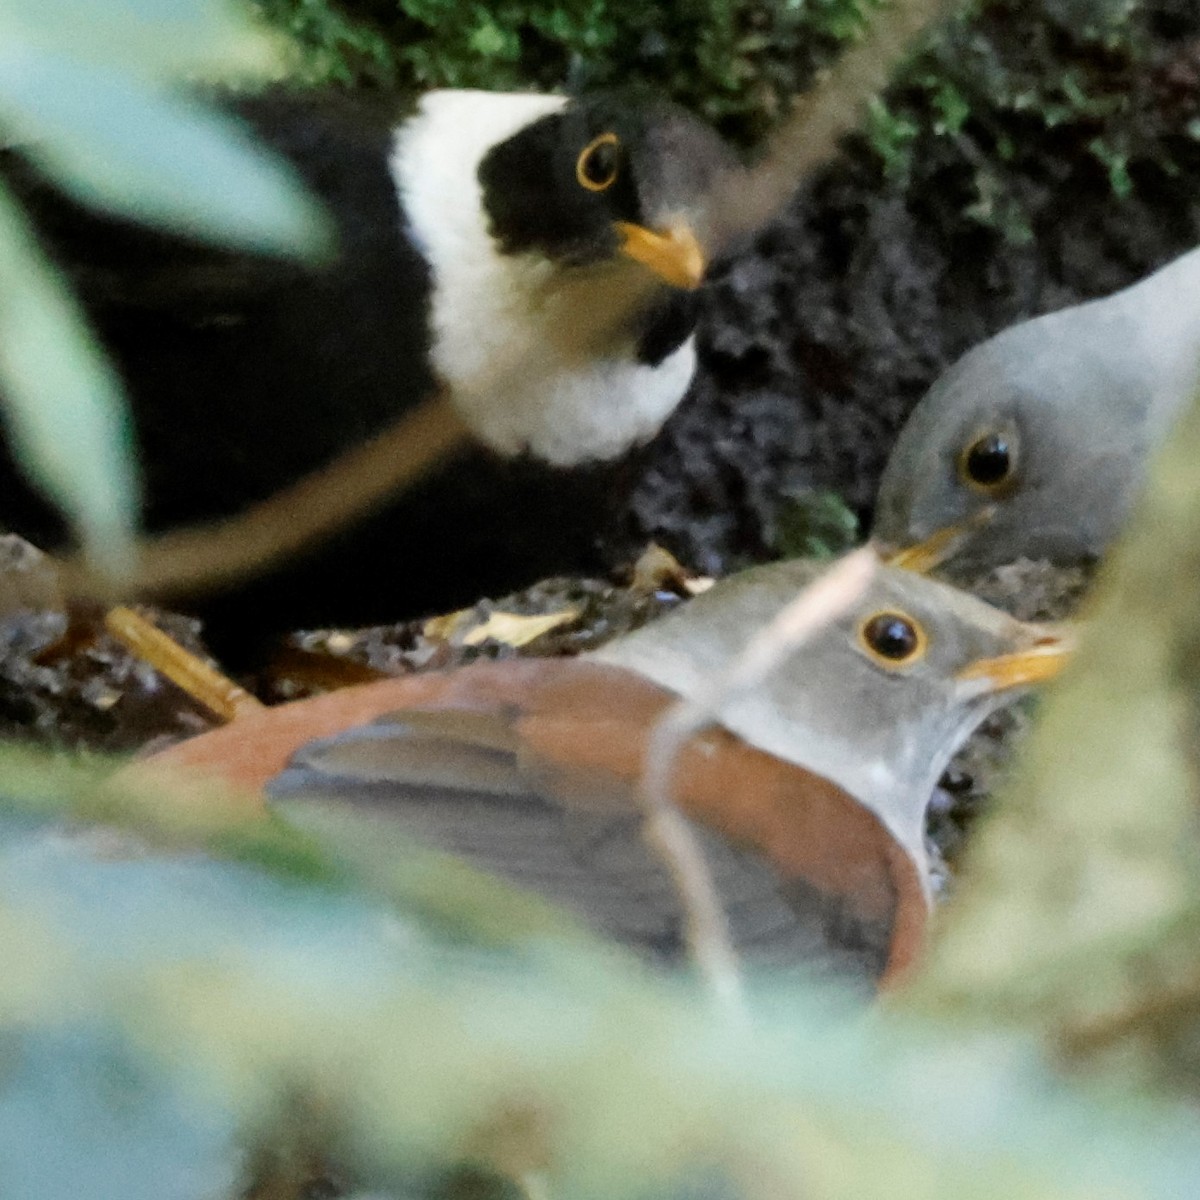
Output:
x,y
534,256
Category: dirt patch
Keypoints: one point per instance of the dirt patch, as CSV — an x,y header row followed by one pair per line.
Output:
x,y
817,341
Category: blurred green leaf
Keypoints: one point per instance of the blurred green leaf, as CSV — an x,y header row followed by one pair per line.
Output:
x,y
262,995
162,38
1080,914
83,91
950,104
326,846
1116,162
149,999
891,135
814,524
63,403
117,145
81,1114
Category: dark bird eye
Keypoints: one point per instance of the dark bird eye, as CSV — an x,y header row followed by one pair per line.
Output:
x,y
892,638
987,463
596,168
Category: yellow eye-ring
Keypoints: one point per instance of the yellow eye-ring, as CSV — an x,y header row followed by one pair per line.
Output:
x,y
892,639
596,167
988,463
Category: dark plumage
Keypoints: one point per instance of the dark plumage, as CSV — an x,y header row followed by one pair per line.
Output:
x,y
247,373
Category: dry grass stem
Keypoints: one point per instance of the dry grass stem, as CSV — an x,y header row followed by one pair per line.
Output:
x,y
206,685
203,556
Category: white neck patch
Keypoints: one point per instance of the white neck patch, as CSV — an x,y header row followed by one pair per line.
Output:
x,y
500,323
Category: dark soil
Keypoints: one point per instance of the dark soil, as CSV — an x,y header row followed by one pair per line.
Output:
x,y
595,611
66,684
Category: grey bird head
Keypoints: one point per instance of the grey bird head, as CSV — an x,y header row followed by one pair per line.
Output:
x,y
1034,444
878,702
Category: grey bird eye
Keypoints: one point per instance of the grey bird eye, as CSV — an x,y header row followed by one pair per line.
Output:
x,y
987,463
892,639
597,165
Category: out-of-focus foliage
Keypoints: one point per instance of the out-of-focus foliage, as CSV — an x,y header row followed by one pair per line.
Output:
x,y
62,403
1012,93
735,61
1081,911
82,1113
185,1011
88,94
815,525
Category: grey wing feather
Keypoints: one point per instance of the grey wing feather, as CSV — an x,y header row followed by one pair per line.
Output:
x,y
457,782
468,797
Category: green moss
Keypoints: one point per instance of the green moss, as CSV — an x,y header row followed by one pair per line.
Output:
x,y
1004,89
734,61
891,134
1012,91
815,524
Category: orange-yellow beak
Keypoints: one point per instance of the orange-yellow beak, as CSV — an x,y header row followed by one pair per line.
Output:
x,y
675,256
1023,668
926,556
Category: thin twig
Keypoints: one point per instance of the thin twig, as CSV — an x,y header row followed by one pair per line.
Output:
x,y
205,556
746,200
707,930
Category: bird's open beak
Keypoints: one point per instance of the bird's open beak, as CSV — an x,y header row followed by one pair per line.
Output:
x,y
1042,661
941,545
675,255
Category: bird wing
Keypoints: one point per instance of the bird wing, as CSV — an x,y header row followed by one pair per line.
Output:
x,y
458,782
529,771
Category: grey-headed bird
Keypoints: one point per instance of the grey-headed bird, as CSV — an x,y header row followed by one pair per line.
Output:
x,y
1035,443
809,793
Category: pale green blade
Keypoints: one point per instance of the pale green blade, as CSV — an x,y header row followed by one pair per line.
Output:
x,y
162,38
63,403
119,144
80,1115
